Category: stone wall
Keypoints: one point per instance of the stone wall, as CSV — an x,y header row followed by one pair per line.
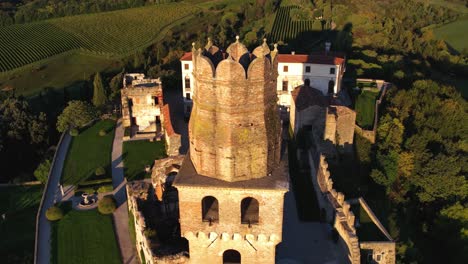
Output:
x,y
256,243
173,140
339,126
380,252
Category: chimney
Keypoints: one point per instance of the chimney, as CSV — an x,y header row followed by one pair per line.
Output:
x,y
293,53
327,46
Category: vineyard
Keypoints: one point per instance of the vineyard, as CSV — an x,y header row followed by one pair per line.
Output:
x,y
109,34
285,28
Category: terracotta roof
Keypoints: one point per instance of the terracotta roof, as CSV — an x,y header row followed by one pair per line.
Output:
x,y
314,58
306,96
167,120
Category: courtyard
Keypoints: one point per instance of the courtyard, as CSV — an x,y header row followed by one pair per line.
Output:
x,y
365,108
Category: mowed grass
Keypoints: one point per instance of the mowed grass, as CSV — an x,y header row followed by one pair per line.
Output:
x,y
84,237
453,34
138,154
89,151
365,109
17,231
107,34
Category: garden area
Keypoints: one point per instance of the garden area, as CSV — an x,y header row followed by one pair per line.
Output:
x,y
18,209
88,162
365,108
138,154
84,237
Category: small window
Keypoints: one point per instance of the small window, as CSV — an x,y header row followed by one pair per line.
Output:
x,y
186,66
285,86
307,69
285,68
187,82
187,96
378,257
332,70
210,209
156,100
307,82
249,211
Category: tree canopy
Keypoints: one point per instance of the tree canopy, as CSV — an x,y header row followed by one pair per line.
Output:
x,y
76,115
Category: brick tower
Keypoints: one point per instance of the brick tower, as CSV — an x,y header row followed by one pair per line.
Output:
x,y
232,183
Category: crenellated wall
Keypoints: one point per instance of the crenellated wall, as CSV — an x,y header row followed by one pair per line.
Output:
x,y
234,127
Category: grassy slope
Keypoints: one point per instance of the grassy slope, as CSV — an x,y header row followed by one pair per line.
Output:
x,y
89,151
20,204
453,33
365,106
84,237
138,154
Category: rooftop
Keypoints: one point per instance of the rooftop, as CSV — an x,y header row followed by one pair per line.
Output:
x,y
306,96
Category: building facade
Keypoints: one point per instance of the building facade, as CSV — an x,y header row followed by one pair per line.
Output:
x,y
323,71
232,183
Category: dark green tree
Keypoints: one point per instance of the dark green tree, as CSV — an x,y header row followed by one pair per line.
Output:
x,y
77,114
99,92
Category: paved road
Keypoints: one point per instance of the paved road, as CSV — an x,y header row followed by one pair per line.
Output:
x,y
52,194
127,248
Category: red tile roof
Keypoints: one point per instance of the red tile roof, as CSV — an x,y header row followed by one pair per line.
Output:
x,y
315,58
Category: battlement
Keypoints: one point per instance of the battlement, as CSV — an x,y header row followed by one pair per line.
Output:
x,y
212,236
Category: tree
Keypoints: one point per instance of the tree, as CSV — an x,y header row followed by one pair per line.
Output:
x,y
115,85
42,171
76,115
99,93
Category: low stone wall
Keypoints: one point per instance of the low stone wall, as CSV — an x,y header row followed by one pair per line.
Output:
x,y
367,134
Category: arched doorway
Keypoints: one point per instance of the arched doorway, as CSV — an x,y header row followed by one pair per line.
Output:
x,y
331,87
231,256
306,82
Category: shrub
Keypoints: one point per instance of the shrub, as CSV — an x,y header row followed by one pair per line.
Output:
x,y
76,114
127,131
42,171
105,188
107,205
54,213
102,132
100,171
74,132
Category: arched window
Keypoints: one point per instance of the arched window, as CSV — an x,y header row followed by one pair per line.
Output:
x,y
231,256
307,82
210,209
331,87
249,211
187,82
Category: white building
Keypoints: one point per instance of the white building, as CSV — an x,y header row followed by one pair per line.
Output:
x,y
322,71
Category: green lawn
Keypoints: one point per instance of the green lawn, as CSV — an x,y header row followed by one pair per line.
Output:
x,y
84,237
19,204
365,106
138,154
452,34
87,152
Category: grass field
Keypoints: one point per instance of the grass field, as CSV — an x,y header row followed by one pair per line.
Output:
x,y
138,154
19,204
107,34
365,108
87,152
453,34
84,237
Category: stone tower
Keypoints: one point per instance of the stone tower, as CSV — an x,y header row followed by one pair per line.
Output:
x,y
231,185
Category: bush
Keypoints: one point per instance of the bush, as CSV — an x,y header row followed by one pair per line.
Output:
x,y
76,114
42,171
100,171
74,132
102,132
127,131
107,205
54,213
105,188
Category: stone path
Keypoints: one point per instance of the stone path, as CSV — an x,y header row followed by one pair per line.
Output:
x,y
51,195
127,248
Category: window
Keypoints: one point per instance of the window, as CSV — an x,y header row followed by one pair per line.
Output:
x,y
249,211
186,66
307,69
332,70
187,82
231,256
155,100
378,257
285,68
210,209
285,86
187,96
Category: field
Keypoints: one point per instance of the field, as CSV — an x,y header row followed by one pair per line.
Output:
x,y
365,108
87,152
138,154
108,34
84,237
284,28
452,34
19,204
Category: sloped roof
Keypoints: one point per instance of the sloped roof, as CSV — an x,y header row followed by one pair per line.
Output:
x,y
306,96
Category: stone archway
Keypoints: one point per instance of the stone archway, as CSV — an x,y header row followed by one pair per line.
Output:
x,y
231,256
